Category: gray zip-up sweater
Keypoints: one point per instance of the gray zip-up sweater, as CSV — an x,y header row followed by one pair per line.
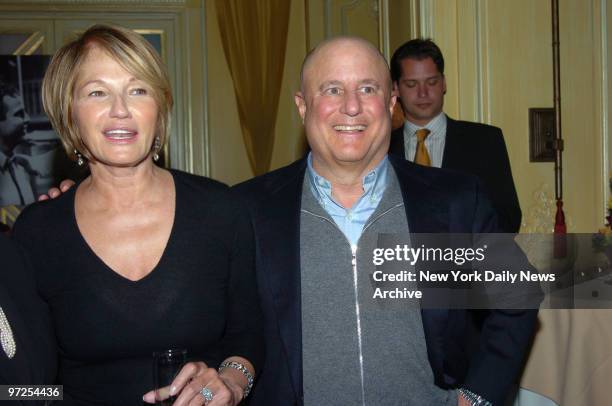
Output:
x,y
358,350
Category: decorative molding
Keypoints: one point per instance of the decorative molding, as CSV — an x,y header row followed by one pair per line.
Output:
x,y
415,18
478,17
307,23
181,151
605,106
328,19
346,8
383,28
483,65
162,36
9,214
31,44
426,19
94,2
204,156
339,18
418,15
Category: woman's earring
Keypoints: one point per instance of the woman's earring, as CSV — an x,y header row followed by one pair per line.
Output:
x,y
156,148
80,159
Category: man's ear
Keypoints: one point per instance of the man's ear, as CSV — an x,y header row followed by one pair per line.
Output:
x,y
300,102
443,84
392,101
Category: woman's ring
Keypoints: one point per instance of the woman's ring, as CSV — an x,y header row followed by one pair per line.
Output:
x,y
207,395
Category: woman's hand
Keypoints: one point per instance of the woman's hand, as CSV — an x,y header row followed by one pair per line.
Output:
x,y
191,380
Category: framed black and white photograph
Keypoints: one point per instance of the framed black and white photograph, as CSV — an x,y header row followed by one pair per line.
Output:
x,y
31,155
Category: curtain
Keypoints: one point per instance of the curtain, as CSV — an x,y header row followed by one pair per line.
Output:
x,y
254,35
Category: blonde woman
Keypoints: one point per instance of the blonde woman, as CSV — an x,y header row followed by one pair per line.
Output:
x,y
136,258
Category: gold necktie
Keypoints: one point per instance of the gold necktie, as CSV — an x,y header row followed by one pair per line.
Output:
x,y
421,156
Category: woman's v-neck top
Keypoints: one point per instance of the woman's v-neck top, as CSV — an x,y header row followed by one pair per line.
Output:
x,y
201,296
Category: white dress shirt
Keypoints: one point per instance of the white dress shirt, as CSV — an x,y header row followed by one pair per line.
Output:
x,y
434,141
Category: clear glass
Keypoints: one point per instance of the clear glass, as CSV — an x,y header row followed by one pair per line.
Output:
x,y
166,365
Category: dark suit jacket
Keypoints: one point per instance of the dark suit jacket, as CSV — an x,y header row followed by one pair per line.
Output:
x,y
35,359
478,149
447,202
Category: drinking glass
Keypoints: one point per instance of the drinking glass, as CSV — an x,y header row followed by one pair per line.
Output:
x,y
166,365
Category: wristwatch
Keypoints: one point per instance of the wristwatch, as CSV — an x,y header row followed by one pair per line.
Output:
x,y
472,398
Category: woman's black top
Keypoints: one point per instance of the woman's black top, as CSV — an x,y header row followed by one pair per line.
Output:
x,y
26,323
201,296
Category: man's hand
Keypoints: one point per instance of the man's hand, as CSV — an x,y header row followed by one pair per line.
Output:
x,y
461,401
55,192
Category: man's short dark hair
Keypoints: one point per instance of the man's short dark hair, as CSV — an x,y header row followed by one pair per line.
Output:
x,y
418,49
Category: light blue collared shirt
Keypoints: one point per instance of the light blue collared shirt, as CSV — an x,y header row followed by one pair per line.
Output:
x,y
351,221
434,142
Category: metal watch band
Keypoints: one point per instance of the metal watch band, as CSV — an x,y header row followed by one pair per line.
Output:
x,y
474,399
245,372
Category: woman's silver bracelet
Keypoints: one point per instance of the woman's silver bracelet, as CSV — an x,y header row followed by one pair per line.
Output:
x,y
245,372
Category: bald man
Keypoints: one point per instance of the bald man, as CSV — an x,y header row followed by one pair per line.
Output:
x,y
316,223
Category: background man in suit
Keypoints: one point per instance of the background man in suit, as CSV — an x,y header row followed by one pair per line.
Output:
x,y
417,70
316,224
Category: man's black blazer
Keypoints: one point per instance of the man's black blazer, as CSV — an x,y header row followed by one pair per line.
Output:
x,y
35,360
478,149
436,201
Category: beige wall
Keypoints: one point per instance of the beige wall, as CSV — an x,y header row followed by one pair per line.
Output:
x,y
400,23
310,22
499,60
498,56
499,64
607,61
229,161
343,17
228,158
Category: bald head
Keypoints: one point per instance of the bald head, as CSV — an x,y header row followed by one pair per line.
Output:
x,y
346,104
330,47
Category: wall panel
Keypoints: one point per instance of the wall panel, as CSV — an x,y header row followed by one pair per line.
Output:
x,y
499,64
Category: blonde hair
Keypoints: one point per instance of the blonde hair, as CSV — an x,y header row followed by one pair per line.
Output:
x,y
131,51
